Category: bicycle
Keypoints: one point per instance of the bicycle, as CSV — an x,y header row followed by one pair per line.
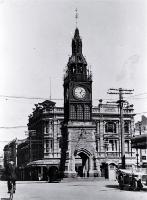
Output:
x,y
11,190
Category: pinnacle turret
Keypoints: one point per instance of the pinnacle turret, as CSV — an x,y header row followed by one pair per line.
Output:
x,y
76,43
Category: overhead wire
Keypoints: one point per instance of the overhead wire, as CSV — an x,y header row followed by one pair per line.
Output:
x,y
43,98
12,127
7,97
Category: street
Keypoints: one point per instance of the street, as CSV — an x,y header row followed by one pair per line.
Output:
x,y
79,190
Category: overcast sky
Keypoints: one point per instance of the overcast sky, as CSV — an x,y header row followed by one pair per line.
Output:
x,y
35,43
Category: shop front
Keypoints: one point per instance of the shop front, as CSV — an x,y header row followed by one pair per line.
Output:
x,y
42,170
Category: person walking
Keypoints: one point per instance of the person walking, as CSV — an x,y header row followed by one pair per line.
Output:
x,y
11,176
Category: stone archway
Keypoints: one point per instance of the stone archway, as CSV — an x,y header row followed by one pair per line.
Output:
x,y
83,163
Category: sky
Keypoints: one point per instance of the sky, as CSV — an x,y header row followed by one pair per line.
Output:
x,y
35,44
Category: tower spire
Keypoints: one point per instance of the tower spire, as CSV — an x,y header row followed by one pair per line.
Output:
x,y
76,16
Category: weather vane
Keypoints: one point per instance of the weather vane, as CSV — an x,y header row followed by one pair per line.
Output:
x,y
76,16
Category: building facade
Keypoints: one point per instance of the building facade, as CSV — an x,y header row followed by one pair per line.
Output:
x,y
1,167
141,132
10,152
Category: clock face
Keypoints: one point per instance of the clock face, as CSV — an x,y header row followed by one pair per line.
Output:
x,y
79,92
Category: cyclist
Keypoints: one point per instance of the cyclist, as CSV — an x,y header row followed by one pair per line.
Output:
x,y
11,176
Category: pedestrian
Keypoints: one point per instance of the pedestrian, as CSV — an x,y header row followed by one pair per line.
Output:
x,y
11,176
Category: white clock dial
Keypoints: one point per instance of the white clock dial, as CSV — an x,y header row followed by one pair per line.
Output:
x,y
79,92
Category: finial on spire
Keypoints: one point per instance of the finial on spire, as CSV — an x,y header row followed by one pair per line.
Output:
x,y
76,16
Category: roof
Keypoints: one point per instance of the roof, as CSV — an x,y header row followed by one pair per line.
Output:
x,y
44,162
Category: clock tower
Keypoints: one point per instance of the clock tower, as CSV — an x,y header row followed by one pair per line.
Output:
x,y
77,85
78,146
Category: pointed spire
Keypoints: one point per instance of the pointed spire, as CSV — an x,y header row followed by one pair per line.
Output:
x,y
77,35
76,43
77,56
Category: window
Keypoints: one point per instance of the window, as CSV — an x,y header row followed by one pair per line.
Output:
x,y
79,112
51,125
126,127
87,112
48,146
143,157
111,145
116,145
126,145
47,127
97,145
110,127
72,112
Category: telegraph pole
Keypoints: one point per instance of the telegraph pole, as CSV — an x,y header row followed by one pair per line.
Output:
x,y
140,127
30,133
120,92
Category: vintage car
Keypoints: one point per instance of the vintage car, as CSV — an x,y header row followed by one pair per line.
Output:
x,y
131,179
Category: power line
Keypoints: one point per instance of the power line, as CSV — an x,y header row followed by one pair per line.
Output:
x,y
27,98
138,94
12,127
137,98
35,98
46,98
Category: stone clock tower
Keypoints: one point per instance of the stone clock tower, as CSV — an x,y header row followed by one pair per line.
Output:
x,y
78,151
77,85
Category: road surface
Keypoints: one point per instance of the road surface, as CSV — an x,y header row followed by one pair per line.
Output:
x,y
79,190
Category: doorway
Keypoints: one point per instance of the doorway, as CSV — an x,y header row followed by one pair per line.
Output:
x,y
82,165
53,174
104,170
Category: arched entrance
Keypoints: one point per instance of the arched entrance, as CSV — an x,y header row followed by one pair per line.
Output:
x,y
82,163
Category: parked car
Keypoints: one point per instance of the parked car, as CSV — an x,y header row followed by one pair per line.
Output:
x,y
132,179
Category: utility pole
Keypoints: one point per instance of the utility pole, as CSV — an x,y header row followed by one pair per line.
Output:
x,y
30,133
120,92
140,127
50,88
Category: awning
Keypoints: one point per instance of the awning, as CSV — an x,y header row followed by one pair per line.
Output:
x,y
139,141
44,162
